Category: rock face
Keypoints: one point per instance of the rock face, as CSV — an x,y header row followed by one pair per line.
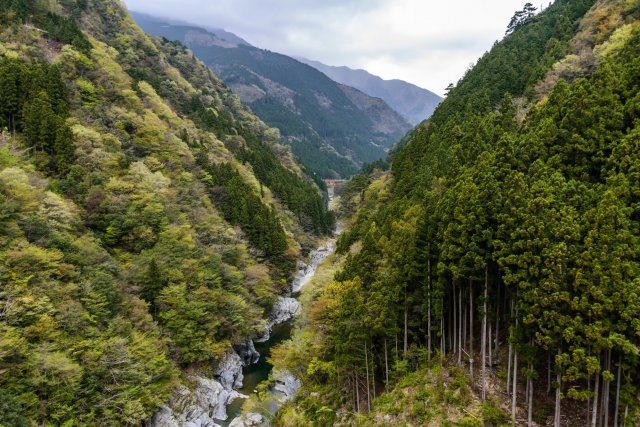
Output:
x,y
248,353
286,385
197,408
306,271
229,371
209,399
284,309
251,419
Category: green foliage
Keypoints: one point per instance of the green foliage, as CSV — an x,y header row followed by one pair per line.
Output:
x,y
325,129
34,100
65,30
541,208
241,206
117,265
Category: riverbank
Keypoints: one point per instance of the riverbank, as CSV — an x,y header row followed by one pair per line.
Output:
x,y
268,384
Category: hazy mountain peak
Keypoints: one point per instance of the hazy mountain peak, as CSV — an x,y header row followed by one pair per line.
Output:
x,y
203,35
413,102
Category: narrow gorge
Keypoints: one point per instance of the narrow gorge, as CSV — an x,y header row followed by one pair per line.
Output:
x,y
218,401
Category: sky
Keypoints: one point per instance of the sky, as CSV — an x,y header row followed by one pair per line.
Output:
x,y
425,42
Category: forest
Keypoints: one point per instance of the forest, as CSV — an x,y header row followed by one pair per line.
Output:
x,y
488,274
491,276
148,220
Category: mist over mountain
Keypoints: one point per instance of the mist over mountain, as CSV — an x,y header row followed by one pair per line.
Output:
x,y
333,129
413,102
180,27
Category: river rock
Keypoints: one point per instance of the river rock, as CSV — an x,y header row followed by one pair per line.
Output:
x,y
229,371
247,352
197,408
250,419
284,309
306,271
286,384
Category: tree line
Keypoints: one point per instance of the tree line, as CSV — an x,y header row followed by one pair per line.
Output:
x,y
506,245
34,101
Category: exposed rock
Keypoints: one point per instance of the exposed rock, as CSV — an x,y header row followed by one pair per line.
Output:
x,y
229,371
306,271
251,419
286,385
248,353
197,408
284,309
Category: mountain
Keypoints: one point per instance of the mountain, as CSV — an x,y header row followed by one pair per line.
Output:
x,y
149,221
330,128
489,277
413,102
176,29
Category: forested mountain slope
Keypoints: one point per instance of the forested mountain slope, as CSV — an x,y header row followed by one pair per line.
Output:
x,y
493,273
413,102
329,130
148,220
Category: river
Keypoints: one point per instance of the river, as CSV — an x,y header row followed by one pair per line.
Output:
x,y
259,372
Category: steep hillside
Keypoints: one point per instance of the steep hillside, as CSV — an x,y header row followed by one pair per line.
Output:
x,y
413,102
148,220
330,134
492,274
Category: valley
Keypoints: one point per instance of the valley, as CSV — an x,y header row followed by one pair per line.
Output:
x,y
198,232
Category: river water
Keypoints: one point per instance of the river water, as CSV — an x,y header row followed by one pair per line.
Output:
x,y
259,372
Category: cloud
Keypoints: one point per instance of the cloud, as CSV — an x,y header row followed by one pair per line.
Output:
x,y
426,42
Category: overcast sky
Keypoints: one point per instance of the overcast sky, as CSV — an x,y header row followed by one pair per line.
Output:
x,y
426,42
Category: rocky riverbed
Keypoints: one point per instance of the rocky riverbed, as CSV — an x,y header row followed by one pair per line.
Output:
x,y
207,401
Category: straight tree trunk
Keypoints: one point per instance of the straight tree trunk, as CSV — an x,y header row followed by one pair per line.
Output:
x,y
396,340
495,343
355,398
615,416
530,414
406,317
428,310
463,327
588,423
548,371
441,336
514,394
456,347
510,357
373,371
460,323
386,363
607,390
366,363
594,416
471,329
558,391
357,394
490,354
626,414
510,348
484,336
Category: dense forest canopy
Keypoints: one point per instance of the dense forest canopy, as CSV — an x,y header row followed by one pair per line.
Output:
x,y
148,220
500,253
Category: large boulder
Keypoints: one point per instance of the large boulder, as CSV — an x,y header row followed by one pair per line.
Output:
x,y
199,407
247,352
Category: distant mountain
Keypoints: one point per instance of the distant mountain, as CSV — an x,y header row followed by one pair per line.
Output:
x,y
155,26
333,129
413,102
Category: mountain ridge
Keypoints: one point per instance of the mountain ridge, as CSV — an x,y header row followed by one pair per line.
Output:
x,y
325,128
413,102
